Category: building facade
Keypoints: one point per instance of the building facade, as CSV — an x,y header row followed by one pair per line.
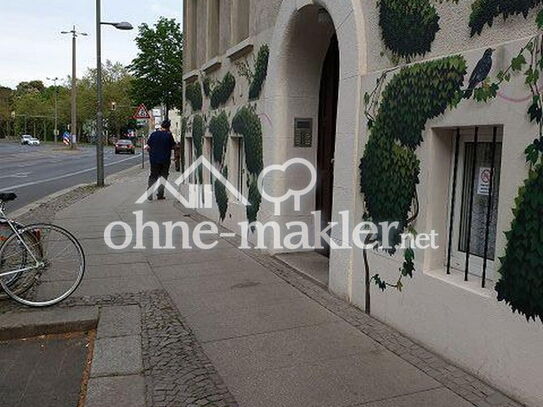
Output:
x,y
419,112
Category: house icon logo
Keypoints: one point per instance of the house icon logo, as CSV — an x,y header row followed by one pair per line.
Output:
x,y
200,196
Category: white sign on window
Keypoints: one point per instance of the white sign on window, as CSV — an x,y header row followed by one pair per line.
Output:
x,y
483,184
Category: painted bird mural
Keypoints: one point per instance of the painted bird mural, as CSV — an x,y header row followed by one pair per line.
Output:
x,y
480,73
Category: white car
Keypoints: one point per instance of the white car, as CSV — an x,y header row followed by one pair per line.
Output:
x,y
33,141
25,138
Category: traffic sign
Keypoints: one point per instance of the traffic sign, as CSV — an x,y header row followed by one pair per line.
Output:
x,y
142,122
142,113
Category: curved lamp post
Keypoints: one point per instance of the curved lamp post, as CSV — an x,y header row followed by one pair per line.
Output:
x,y
100,114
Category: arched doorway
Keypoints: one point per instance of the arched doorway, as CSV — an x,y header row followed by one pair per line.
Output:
x,y
328,99
316,44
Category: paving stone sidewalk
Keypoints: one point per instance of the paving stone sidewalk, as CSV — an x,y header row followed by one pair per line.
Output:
x,y
227,327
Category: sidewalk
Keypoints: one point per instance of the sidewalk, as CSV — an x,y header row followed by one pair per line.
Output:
x,y
225,325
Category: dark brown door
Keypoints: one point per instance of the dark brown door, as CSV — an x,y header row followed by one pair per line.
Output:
x,y
327,135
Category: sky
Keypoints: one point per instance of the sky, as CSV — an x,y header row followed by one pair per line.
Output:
x,y
32,48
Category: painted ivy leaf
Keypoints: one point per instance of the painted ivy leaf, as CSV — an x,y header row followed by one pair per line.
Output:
x,y
532,76
539,20
518,62
535,112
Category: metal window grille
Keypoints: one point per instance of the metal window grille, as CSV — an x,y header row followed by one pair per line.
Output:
x,y
479,200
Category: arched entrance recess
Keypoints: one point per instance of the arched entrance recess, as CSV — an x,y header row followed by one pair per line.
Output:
x,y
302,37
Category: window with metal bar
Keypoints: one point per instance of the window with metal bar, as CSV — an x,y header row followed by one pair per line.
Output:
x,y
240,163
474,201
190,159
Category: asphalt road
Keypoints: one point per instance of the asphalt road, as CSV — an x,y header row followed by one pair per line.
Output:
x,y
38,171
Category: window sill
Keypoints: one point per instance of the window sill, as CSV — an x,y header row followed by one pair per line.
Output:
x,y
191,76
212,65
238,51
456,278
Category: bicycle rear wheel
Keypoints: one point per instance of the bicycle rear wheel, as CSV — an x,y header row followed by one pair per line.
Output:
x,y
54,260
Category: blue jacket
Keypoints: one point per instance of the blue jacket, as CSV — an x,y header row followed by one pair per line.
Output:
x,y
161,144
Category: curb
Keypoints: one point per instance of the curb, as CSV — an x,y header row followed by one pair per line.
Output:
x,y
59,321
34,205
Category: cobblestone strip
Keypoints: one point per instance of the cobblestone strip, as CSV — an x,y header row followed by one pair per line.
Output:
x,y
176,369
460,382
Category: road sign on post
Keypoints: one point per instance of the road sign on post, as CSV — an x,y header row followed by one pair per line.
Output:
x,y
142,113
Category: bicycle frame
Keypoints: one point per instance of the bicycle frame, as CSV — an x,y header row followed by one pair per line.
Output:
x,y
13,227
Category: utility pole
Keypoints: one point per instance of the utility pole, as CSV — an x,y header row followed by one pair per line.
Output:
x,y
73,126
100,176
56,107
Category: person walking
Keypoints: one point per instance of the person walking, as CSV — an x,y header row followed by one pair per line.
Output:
x,y
160,146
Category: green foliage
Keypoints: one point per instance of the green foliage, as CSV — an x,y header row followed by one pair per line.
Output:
x,y
408,27
221,196
260,72
521,283
158,68
255,199
417,94
184,126
247,123
219,127
206,84
193,93
198,131
483,12
222,91
389,168
389,177
33,98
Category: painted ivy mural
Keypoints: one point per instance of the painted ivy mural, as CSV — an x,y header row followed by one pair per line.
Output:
x,y
483,12
247,124
193,93
221,92
256,75
408,27
219,127
397,115
198,131
521,270
260,72
184,125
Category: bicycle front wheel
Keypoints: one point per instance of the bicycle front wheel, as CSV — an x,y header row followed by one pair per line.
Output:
x,y
48,264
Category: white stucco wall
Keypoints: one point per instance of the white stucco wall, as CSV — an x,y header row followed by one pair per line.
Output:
x,y
458,320
454,35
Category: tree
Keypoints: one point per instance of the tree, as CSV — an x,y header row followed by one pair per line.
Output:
x,y
158,68
30,87
6,106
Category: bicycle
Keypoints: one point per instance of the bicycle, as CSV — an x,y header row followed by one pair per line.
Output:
x,y
40,264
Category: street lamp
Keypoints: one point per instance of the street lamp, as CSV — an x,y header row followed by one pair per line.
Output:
x,y
100,114
54,80
73,127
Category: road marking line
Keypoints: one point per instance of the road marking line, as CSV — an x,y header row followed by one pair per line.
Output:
x,y
43,181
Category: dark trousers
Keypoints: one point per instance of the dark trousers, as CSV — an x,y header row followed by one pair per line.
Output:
x,y
158,171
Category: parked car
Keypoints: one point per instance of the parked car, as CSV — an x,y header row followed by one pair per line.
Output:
x,y
33,141
125,146
25,138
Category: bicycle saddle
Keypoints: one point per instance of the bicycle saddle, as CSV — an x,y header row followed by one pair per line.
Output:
x,y
9,196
